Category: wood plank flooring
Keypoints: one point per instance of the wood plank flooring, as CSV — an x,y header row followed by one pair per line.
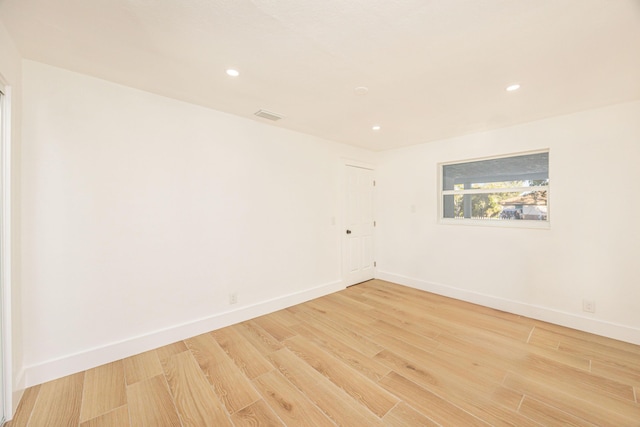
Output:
x,y
373,354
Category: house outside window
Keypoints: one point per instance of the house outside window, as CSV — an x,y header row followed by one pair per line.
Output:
x,y
509,190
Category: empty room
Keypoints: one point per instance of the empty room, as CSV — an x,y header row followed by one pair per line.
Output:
x,y
319,213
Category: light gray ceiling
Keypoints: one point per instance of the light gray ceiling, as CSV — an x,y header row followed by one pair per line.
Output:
x,y
434,68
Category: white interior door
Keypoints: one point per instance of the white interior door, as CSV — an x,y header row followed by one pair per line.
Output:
x,y
358,232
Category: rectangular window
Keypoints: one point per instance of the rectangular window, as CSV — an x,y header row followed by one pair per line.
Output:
x,y
496,190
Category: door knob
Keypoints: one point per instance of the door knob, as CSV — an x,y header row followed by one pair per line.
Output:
x,y
348,231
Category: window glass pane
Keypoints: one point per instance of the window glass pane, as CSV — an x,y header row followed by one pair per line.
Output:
x,y
523,171
530,205
498,189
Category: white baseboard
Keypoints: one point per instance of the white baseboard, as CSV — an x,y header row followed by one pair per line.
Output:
x,y
570,320
90,358
12,399
18,390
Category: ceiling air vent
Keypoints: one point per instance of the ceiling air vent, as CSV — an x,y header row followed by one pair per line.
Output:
x,y
268,115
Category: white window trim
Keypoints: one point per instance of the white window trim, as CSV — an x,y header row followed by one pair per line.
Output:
x,y
531,224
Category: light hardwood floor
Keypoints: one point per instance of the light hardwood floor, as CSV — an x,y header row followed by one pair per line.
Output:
x,y
374,354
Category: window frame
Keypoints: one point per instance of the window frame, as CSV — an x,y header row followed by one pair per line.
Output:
x,y
520,223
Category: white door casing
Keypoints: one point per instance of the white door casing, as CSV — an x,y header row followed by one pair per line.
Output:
x,y
358,263
6,402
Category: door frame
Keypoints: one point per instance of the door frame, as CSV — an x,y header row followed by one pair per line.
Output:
x,y
343,240
5,252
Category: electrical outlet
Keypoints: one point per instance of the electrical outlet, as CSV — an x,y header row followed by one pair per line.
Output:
x,y
233,298
589,306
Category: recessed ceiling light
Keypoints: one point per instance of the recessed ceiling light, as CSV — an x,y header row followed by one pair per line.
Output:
x,y
361,90
233,73
376,127
513,87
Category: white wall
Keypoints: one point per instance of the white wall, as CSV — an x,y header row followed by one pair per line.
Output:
x,y
590,251
10,72
141,214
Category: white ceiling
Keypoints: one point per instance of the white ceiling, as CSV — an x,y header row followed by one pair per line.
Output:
x,y
434,68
